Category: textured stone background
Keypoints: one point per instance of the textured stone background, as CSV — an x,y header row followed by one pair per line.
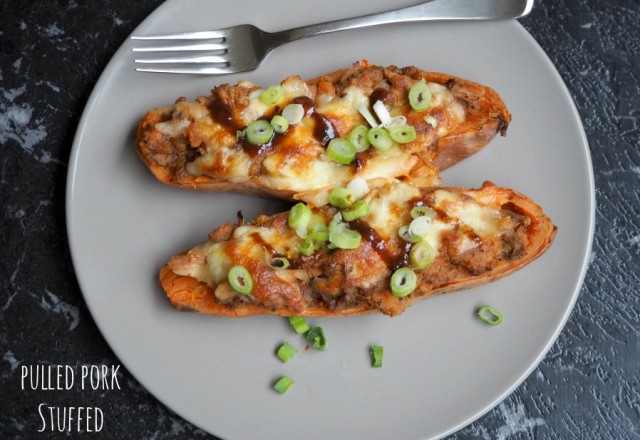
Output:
x,y
51,54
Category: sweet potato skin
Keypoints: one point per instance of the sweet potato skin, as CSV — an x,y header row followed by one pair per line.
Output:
x,y
187,293
486,116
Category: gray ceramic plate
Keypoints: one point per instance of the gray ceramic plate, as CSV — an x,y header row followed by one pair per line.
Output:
x,y
443,368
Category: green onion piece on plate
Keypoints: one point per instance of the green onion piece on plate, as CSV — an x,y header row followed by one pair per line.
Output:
x,y
403,134
403,282
420,96
280,124
316,335
380,138
271,95
376,352
259,132
359,209
286,352
240,279
358,137
489,315
283,384
299,324
421,255
341,151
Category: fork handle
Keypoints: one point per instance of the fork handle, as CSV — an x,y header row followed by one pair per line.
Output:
x,y
431,10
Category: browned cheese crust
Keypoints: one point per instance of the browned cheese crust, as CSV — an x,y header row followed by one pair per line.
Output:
x,y
343,282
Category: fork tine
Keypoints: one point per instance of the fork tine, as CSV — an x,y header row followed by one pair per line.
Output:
x,y
190,47
188,60
203,35
192,71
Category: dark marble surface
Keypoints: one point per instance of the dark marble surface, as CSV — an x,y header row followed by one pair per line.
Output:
x,y
51,54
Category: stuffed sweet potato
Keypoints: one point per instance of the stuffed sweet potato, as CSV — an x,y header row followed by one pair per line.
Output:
x,y
299,139
396,245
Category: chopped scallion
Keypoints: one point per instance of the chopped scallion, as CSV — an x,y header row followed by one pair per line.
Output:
x,y
259,132
358,137
489,315
316,335
421,255
320,233
341,236
403,134
376,352
283,384
293,113
420,96
422,211
299,218
359,209
308,247
280,124
403,282
341,151
240,279
299,324
278,263
271,95
419,227
341,198
286,352
380,138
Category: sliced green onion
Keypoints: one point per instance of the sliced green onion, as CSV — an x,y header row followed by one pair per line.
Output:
x,y
320,233
358,188
431,120
489,315
299,217
420,96
402,134
341,151
403,282
259,132
283,384
381,111
271,95
299,324
240,279
278,263
308,247
366,113
341,198
419,227
380,138
376,352
341,236
358,138
286,352
316,335
360,209
280,124
421,255
404,233
293,113
422,211
396,121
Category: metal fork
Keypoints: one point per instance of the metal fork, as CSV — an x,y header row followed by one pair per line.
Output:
x,y
245,47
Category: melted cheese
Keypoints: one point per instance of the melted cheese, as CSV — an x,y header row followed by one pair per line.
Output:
x,y
483,220
389,208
